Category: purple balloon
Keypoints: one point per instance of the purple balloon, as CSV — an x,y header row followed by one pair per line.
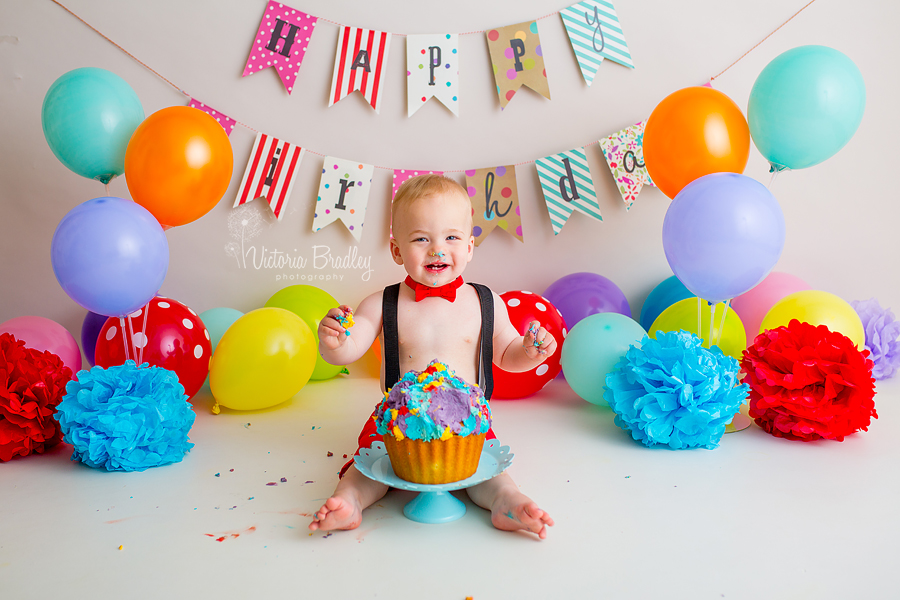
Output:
x,y
582,294
722,235
110,255
90,331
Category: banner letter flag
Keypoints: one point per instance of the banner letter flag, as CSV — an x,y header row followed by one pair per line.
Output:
x,y
624,152
281,42
567,186
432,69
222,119
518,60
495,201
359,64
270,173
343,194
595,34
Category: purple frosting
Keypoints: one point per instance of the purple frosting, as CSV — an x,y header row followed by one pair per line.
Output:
x,y
449,407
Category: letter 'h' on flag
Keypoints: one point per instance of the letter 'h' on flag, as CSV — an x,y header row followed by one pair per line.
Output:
x,y
270,173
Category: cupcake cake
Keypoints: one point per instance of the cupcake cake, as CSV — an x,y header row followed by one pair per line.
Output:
x,y
433,424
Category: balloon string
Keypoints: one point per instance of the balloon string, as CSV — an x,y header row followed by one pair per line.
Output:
x,y
722,322
772,180
144,331
131,333
124,337
699,317
106,185
712,320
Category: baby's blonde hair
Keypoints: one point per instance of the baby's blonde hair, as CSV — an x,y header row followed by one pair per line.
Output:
x,y
423,186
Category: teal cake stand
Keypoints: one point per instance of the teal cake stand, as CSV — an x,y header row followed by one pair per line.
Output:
x,y
434,503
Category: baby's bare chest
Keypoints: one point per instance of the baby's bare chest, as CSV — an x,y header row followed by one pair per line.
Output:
x,y
449,332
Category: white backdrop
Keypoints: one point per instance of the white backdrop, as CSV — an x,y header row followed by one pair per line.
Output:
x,y
840,215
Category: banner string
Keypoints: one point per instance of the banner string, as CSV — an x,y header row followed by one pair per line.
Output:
x,y
245,126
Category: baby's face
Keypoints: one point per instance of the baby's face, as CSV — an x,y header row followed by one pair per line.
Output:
x,y
433,238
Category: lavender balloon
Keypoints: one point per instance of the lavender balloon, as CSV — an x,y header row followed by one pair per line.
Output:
x,y
582,294
722,235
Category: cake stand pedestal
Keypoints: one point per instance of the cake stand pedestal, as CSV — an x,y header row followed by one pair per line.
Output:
x,y
434,503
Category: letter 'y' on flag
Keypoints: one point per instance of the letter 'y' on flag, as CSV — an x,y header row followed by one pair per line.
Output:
x,y
270,173
567,186
432,69
595,34
359,64
518,60
343,194
281,42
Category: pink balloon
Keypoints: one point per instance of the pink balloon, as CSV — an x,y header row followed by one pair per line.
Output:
x,y
752,306
46,335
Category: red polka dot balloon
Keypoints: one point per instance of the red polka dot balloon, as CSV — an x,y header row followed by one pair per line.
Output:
x,y
523,308
175,339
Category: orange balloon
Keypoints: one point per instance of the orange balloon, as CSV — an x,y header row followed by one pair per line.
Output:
x,y
178,164
694,132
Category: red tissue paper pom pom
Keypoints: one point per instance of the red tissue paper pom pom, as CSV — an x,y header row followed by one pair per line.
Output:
x,y
32,383
809,383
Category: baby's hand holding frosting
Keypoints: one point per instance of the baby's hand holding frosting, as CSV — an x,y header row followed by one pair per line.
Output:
x,y
538,343
332,334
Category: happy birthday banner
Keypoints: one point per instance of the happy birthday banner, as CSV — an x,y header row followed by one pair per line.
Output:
x,y
432,71
432,60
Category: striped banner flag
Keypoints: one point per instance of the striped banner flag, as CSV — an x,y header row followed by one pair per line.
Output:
x,y
358,64
595,34
567,186
270,173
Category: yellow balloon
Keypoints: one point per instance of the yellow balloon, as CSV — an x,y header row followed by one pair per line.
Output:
x,y
683,315
263,359
817,308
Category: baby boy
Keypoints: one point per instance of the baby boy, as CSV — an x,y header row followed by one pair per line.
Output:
x,y
433,315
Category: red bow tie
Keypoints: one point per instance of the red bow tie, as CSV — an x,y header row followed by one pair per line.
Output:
x,y
447,291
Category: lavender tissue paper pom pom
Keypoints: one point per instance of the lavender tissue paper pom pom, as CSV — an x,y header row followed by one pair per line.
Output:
x,y
126,418
671,391
882,331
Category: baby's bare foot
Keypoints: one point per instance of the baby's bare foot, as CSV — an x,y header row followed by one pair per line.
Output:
x,y
514,510
337,513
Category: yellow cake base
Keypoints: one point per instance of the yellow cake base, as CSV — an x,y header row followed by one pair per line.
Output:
x,y
437,461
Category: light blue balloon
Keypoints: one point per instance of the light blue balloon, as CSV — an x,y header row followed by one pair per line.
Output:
x,y
88,117
110,255
217,321
662,297
593,347
722,234
805,106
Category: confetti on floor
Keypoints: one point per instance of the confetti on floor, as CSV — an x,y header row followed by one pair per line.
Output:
x,y
330,454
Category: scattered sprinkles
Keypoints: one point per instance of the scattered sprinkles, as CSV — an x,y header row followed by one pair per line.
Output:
x,y
284,480
330,454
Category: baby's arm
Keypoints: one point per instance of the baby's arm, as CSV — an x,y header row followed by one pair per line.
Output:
x,y
335,346
516,353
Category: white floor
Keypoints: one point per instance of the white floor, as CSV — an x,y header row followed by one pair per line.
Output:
x,y
757,518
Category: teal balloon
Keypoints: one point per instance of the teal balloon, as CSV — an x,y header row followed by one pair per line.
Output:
x,y
217,321
662,297
88,117
593,347
805,106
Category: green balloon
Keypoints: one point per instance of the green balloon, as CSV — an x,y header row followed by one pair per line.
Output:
x,y
593,347
310,304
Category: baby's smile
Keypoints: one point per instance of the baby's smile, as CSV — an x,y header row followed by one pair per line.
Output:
x,y
437,267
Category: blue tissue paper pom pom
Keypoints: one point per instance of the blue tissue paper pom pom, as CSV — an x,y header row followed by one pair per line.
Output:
x,y
673,392
126,418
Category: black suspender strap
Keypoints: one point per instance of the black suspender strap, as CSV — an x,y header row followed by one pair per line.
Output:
x,y
487,337
391,335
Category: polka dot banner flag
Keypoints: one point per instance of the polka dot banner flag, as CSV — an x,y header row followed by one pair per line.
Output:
x,y
432,70
595,34
401,175
343,194
281,42
518,60
567,186
495,201
224,120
